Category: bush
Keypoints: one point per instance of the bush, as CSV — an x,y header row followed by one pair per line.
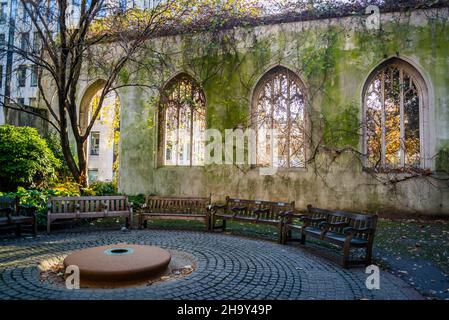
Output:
x,y
104,188
137,201
67,187
25,159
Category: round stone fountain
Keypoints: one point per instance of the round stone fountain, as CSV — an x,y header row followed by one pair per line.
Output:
x,y
119,264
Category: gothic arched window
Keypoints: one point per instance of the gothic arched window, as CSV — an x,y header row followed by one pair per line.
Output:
x,y
394,98
279,104
183,122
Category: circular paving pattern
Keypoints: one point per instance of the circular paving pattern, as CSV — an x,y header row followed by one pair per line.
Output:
x,y
227,267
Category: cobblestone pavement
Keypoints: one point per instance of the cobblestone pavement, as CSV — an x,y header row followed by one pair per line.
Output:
x,y
228,267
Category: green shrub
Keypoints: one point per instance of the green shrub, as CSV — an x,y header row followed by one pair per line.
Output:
x,y
25,159
87,192
104,188
137,201
68,187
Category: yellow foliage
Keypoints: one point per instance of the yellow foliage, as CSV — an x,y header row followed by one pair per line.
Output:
x,y
178,13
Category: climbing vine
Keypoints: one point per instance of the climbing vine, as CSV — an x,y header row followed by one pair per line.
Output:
x,y
229,61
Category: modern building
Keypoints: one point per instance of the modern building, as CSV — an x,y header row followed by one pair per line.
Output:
x,y
19,84
18,80
102,143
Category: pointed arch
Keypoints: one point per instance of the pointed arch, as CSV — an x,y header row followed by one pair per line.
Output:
x,y
279,103
395,117
182,122
102,147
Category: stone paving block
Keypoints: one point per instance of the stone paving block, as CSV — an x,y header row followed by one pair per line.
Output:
x,y
228,267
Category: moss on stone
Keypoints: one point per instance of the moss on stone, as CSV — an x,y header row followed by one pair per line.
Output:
x,y
442,159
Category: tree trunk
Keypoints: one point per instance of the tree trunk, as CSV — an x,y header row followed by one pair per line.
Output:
x,y
68,156
82,162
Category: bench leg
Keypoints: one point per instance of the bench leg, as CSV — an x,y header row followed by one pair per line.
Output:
x,y
212,223
131,220
127,224
145,224
286,235
346,251
224,225
369,253
139,222
18,230
303,238
283,238
48,225
281,235
35,227
207,222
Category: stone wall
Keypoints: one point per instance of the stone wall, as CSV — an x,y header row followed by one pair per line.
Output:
x,y
333,58
23,119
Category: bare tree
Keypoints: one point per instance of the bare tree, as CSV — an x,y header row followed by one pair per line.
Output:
x,y
100,37
67,41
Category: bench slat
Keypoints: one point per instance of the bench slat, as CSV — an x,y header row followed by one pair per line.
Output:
x,y
87,207
172,208
330,226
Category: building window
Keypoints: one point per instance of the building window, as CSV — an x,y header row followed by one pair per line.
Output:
x,y
2,41
279,105
183,115
95,143
34,76
22,75
3,14
394,99
32,102
21,101
92,175
25,41
36,42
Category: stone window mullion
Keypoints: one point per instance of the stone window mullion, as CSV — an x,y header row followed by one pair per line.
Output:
x,y
401,108
383,129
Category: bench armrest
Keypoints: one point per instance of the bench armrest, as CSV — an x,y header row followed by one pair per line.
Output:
x,y
306,218
259,211
349,230
238,209
7,212
216,206
29,211
291,214
326,225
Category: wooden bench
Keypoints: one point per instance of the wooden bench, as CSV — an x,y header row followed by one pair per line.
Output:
x,y
349,230
14,214
89,208
252,211
175,208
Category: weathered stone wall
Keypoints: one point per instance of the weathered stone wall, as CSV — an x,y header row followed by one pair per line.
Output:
x,y
20,118
333,58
